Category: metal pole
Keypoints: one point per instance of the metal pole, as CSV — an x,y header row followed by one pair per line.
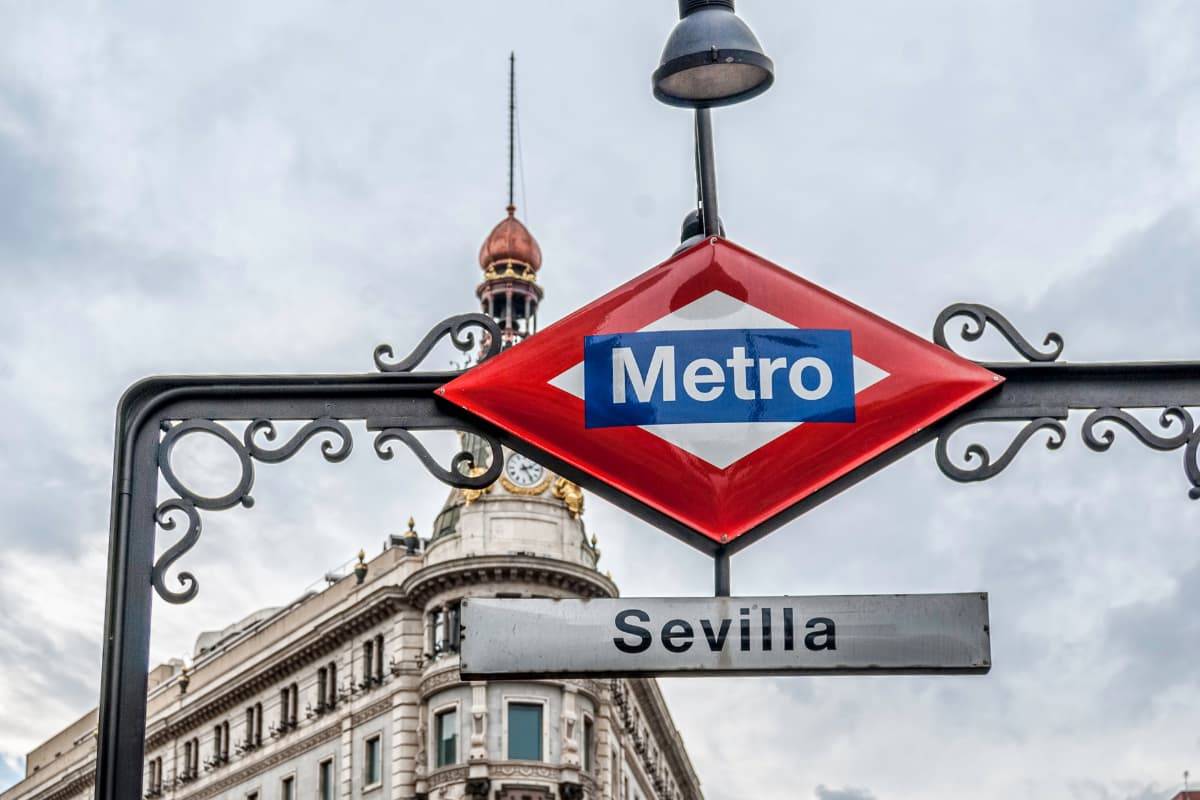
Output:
x,y
707,173
122,718
721,564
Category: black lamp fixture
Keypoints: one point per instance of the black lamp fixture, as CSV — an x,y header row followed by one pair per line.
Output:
x,y
712,58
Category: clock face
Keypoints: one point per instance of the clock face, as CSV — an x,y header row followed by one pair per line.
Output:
x,y
523,472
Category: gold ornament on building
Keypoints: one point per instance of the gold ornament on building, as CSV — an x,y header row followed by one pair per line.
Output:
x,y
360,569
471,495
571,495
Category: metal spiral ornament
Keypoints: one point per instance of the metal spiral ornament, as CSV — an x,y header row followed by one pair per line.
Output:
x,y
333,453
1191,465
192,427
978,459
163,516
1100,442
464,471
457,329
979,317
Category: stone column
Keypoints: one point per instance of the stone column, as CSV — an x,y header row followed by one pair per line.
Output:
x,y
407,646
607,771
347,757
477,755
570,734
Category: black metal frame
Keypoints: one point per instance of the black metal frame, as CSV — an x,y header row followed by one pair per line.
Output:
x,y
155,414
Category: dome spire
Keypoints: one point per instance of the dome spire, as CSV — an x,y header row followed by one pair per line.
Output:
x,y
510,257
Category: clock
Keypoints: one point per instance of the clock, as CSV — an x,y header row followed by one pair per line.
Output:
x,y
523,475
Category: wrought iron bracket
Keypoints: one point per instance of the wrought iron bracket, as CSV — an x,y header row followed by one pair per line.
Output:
x,y
1042,391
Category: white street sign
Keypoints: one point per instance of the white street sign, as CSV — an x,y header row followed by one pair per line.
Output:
x,y
838,635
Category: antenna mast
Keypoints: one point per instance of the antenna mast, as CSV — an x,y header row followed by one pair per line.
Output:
x,y
512,110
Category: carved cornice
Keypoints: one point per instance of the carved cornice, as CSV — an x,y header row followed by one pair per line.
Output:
x,y
319,642
523,769
372,711
273,760
84,777
477,570
448,775
439,680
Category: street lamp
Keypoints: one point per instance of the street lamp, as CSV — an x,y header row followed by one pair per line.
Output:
x,y
711,59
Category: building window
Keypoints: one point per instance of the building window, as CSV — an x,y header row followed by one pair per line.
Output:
x,y
322,686
453,628
436,625
258,724
589,737
446,730
525,731
325,780
333,684
285,706
248,742
372,768
287,788
379,658
154,781
191,760
445,629
368,663
289,707
252,796
225,742
218,743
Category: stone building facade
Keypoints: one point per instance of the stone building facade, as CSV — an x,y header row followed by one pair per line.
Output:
x,y
354,691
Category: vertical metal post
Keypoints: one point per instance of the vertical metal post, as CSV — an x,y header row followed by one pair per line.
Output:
x,y
707,173
721,573
126,649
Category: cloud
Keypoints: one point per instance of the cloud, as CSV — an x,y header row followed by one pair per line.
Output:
x,y
822,792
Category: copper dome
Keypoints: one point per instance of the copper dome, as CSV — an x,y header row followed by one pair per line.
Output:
x,y
510,241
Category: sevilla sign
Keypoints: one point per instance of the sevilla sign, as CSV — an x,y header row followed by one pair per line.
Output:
x,y
718,391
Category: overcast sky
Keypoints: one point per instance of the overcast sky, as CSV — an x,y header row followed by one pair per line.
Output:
x,y
280,186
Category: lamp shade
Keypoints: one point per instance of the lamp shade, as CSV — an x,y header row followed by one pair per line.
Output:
x,y
712,58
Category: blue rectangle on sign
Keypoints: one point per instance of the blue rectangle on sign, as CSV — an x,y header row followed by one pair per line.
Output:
x,y
682,377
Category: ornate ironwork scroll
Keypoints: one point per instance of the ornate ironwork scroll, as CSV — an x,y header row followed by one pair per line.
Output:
x,y
1102,440
257,444
978,317
462,473
978,460
453,327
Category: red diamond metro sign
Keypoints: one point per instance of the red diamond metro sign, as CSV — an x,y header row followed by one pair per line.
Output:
x,y
718,393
